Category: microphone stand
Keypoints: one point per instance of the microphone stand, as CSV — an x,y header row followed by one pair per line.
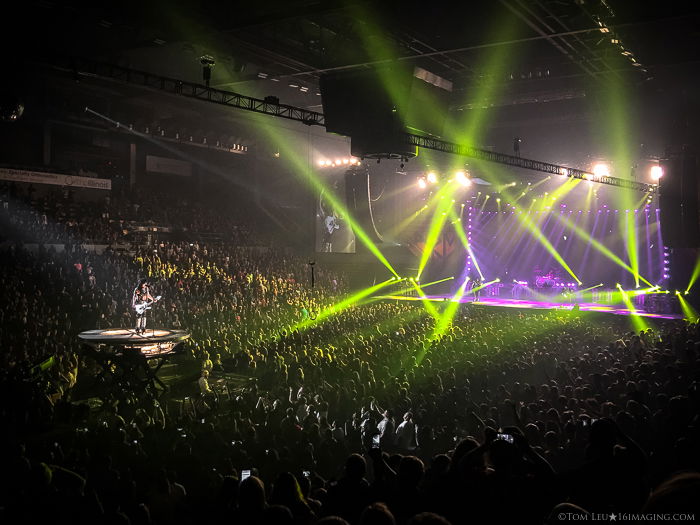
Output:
x,y
311,265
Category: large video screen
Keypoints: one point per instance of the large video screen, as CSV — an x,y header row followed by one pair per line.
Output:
x,y
590,241
333,231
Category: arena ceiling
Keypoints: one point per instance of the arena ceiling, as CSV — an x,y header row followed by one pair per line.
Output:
x,y
496,53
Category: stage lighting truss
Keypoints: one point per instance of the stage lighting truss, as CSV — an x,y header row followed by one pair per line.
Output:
x,y
91,69
338,162
529,164
460,177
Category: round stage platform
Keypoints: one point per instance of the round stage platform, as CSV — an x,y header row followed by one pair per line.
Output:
x,y
129,337
132,358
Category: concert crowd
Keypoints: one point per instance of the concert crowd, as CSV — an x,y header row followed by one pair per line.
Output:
x,y
373,415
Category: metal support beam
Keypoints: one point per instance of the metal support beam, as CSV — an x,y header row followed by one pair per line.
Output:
x,y
87,68
519,162
227,98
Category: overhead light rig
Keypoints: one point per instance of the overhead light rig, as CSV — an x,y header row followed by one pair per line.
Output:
x,y
91,69
519,162
100,70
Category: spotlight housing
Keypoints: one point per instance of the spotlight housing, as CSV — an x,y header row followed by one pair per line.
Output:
x,y
463,178
656,172
601,169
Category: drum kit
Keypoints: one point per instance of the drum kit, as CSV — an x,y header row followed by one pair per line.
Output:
x,y
548,280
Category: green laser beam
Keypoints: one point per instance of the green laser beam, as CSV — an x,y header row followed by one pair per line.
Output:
x,y
694,276
598,246
536,232
408,298
637,321
437,222
343,305
424,300
542,239
305,172
689,312
462,236
448,315
497,280
423,285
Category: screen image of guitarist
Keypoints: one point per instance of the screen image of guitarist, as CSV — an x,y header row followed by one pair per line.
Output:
x,y
331,223
141,302
333,231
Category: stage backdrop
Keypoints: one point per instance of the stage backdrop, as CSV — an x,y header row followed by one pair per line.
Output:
x,y
505,247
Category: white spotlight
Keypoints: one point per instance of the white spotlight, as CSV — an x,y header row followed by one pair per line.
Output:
x,y
463,179
432,177
656,172
601,170
421,183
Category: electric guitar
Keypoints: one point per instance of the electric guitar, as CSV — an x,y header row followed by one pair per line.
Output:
x,y
145,305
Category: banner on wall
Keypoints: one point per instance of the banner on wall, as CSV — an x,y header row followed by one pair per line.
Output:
x,y
156,164
60,248
57,179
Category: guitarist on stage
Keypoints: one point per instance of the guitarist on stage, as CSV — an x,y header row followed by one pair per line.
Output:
x,y
330,224
141,299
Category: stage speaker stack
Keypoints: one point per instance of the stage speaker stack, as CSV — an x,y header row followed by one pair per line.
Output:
x,y
358,202
375,107
678,199
680,223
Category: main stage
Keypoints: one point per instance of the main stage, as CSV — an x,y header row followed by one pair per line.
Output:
x,y
539,305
